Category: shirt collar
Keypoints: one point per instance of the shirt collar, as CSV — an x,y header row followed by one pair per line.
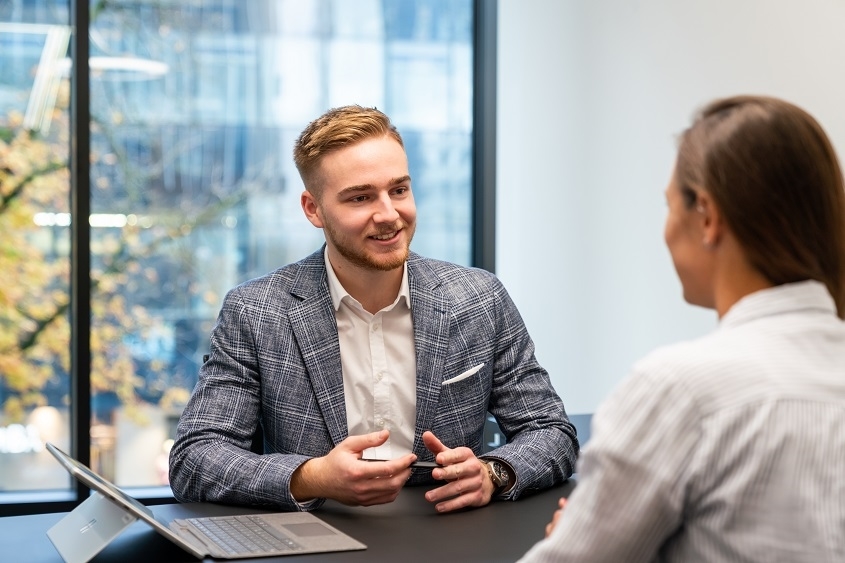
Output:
x,y
780,299
338,293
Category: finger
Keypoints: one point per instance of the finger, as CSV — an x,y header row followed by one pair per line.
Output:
x,y
550,526
381,485
460,455
461,468
553,524
433,444
388,468
376,490
456,488
447,473
360,443
458,502
378,496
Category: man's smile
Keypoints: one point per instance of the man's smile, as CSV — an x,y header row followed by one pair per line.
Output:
x,y
385,236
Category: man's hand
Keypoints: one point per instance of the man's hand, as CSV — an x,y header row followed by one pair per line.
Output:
x,y
342,476
556,517
467,480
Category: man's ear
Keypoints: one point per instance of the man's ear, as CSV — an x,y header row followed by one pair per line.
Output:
x,y
311,208
710,218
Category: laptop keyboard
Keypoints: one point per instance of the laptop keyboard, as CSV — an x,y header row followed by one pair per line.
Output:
x,y
241,535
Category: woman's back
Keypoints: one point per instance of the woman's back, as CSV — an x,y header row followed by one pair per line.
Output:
x,y
766,400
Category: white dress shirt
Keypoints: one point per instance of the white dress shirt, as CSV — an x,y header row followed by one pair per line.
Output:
x,y
379,367
726,448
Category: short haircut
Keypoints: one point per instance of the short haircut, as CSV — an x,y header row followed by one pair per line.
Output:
x,y
337,128
772,171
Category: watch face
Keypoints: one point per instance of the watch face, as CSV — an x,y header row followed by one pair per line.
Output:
x,y
500,474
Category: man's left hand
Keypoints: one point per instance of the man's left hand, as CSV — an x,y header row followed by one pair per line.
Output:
x,y
467,480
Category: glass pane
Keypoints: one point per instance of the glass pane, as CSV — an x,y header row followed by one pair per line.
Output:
x,y
195,107
34,246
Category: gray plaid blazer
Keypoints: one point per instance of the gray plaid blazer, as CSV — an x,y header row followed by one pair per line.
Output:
x,y
275,361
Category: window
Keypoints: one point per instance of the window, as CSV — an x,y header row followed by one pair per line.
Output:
x,y
35,250
190,189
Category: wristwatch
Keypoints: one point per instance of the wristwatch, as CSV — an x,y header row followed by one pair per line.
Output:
x,y
499,473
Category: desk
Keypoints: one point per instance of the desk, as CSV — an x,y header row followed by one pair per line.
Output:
x,y
407,530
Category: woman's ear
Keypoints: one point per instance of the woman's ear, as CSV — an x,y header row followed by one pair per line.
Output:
x,y
710,220
311,209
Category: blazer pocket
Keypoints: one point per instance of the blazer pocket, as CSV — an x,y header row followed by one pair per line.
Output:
x,y
462,376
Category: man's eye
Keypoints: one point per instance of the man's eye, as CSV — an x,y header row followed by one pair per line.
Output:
x,y
358,198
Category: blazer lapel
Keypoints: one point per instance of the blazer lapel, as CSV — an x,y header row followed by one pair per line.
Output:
x,y
430,313
315,328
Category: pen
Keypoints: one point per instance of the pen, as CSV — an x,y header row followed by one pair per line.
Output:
x,y
416,464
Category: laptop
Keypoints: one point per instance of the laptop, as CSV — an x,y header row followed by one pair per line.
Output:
x,y
104,515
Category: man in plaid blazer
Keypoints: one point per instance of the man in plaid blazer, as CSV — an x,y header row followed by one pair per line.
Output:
x,y
365,350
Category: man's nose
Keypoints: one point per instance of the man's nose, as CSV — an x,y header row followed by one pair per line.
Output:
x,y
385,210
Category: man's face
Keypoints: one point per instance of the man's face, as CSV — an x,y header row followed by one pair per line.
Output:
x,y
365,205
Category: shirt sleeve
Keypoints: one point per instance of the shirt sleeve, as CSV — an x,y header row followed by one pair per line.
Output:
x,y
630,493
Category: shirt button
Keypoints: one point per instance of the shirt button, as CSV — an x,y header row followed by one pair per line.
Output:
x,y
379,423
376,327
379,375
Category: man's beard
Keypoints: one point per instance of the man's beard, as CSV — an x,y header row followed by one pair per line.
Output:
x,y
369,260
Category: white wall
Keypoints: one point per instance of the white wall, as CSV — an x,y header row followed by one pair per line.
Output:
x,y
591,96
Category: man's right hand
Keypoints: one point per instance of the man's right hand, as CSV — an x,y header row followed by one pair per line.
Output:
x,y
342,476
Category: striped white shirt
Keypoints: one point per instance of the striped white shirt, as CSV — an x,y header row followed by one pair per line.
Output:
x,y
726,448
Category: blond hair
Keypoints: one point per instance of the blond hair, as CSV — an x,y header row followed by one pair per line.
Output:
x,y
337,128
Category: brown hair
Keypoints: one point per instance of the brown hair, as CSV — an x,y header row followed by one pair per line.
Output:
x,y
337,128
773,173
